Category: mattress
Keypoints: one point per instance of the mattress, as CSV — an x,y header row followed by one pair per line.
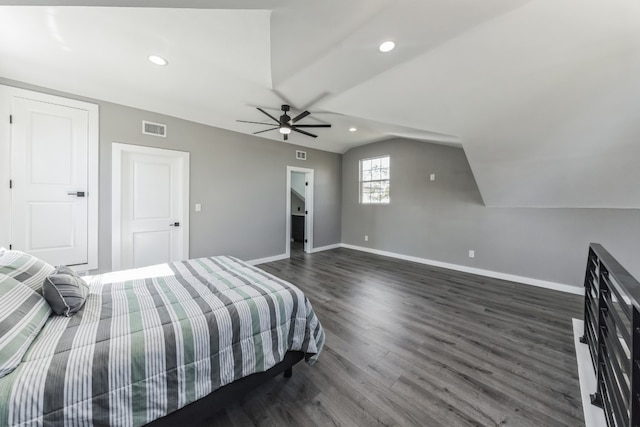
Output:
x,y
150,341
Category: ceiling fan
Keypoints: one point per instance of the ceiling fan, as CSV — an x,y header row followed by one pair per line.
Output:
x,y
286,124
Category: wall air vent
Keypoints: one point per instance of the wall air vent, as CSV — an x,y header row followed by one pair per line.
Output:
x,y
301,155
155,129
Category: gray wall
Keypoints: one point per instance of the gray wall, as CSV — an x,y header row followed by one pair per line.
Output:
x,y
443,219
239,179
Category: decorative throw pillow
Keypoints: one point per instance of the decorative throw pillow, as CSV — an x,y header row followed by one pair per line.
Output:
x,y
25,268
65,291
23,313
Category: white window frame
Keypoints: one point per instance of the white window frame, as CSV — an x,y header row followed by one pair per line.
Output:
x,y
361,181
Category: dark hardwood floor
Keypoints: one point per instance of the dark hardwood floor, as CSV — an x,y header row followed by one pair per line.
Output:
x,y
409,344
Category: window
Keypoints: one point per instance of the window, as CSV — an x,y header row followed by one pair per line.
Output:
x,y
374,180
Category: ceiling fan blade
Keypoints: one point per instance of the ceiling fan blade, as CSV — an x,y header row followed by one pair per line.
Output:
x,y
257,123
300,116
313,126
262,111
266,130
304,133
286,137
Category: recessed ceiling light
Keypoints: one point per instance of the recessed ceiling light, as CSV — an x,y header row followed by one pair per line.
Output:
x,y
158,60
387,46
352,129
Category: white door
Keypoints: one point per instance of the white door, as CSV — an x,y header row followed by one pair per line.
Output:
x,y
49,171
153,206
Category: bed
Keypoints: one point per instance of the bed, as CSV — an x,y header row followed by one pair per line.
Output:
x,y
150,341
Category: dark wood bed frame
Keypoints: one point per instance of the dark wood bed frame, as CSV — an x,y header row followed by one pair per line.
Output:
x,y
198,412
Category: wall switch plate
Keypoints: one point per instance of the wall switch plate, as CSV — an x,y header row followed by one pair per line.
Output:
x,y
366,238
472,254
432,177
198,207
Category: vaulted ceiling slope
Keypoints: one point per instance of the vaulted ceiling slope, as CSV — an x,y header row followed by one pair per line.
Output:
x,y
543,95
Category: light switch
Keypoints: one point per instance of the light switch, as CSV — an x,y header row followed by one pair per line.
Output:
x,y
432,177
198,207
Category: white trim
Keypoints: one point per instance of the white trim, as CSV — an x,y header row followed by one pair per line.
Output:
x,y
487,273
93,136
308,205
117,150
93,195
593,416
268,259
326,248
5,166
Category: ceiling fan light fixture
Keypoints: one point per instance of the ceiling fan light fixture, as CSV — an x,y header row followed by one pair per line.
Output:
x,y
158,60
285,130
387,46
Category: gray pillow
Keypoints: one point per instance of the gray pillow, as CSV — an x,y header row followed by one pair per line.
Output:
x,y
65,291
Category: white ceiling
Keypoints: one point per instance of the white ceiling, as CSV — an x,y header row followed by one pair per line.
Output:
x,y
543,95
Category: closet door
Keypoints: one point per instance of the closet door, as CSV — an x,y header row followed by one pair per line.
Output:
x,y
49,172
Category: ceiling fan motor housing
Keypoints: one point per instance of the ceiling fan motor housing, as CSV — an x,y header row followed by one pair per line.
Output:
x,y
285,119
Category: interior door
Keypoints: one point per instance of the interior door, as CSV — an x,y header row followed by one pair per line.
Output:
x,y
49,164
153,206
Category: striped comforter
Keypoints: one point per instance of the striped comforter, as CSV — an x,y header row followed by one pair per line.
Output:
x,y
150,341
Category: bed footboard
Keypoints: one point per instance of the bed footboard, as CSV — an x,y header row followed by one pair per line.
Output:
x,y
199,411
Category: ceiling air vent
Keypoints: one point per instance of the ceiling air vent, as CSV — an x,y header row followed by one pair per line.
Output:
x,y
155,129
301,155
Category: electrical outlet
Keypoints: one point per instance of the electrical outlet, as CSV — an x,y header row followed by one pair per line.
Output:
x,y
198,207
366,238
432,177
472,254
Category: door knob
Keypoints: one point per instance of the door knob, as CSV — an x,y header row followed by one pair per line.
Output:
x,y
76,193
175,224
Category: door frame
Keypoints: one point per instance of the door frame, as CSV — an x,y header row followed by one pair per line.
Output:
x,y
308,205
93,196
117,151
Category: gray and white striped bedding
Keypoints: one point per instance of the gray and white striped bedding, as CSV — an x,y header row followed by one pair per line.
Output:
x,y
150,341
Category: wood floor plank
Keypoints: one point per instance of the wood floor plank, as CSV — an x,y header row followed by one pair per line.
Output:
x,y
410,344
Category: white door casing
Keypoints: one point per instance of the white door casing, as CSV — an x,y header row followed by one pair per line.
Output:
x,y
53,155
150,194
308,221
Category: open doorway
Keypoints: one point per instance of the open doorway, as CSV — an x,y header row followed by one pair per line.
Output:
x,y
299,229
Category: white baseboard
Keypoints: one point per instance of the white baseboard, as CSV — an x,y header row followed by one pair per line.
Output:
x,y
326,248
481,272
488,273
268,259
285,256
593,416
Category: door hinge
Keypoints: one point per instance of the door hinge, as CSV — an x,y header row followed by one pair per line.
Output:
x,y
306,183
10,246
10,119
10,183
306,212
